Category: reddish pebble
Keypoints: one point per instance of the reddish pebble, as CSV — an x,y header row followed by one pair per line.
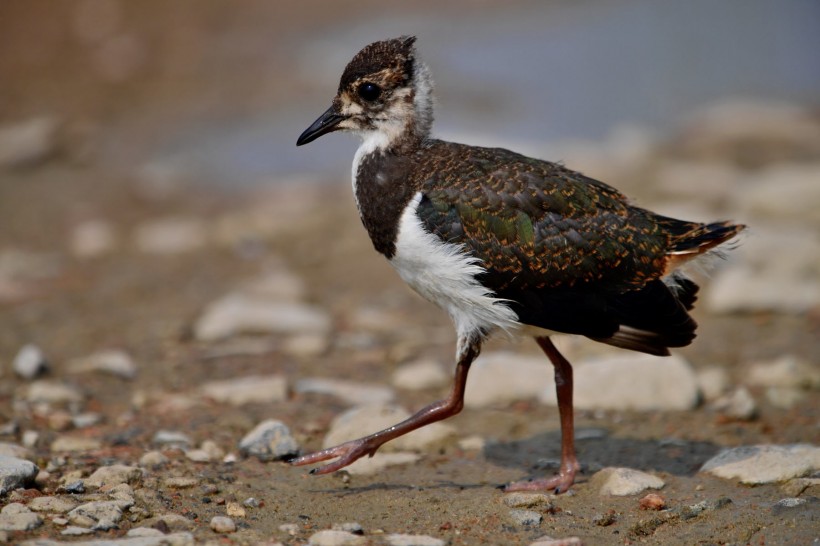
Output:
x,y
653,501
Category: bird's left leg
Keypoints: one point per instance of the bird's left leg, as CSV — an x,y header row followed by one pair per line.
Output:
x,y
348,452
569,462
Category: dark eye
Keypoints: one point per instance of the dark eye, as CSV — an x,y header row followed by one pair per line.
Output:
x,y
369,91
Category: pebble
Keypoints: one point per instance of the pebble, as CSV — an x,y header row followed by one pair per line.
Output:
x,y
52,392
114,362
525,517
52,505
28,142
16,517
363,420
171,438
15,473
330,537
74,531
526,500
652,501
502,377
790,503
290,528
787,371
351,392
114,475
180,482
632,382
92,238
173,235
712,381
270,440
247,390
753,465
240,314
98,515
620,482
30,362
420,375
174,539
413,540
738,404
350,527
30,438
235,510
222,524
549,541
75,444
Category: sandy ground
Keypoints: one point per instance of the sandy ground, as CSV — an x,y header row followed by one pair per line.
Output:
x,y
146,304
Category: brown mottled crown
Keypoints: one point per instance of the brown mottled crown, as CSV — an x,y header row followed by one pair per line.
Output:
x,y
395,56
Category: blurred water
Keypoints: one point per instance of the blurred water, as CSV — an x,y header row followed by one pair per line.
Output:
x,y
542,72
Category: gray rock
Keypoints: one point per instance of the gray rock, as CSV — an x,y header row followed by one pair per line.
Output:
x,y
172,235
420,375
27,142
352,392
502,377
15,473
222,524
144,532
238,313
30,362
525,517
329,537
115,362
738,404
19,521
761,464
269,440
632,382
171,438
52,505
787,371
363,420
619,482
114,475
52,392
97,515
797,486
247,390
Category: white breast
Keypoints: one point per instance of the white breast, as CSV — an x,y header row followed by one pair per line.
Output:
x,y
444,274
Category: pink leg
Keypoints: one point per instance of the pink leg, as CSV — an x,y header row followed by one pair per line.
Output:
x,y
348,452
569,463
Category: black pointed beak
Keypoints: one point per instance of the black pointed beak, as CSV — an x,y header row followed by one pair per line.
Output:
x,y
326,123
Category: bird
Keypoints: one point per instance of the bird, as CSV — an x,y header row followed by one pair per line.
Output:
x,y
504,243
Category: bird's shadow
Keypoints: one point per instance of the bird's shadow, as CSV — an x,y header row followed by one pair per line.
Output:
x,y
596,450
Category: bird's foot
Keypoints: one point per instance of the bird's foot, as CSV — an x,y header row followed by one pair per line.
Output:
x,y
347,453
557,484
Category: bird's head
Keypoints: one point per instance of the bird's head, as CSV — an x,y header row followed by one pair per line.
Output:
x,y
384,93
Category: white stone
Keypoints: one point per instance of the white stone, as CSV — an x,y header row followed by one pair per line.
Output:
x,y
173,235
99,515
630,381
241,314
114,475
15,473
23,521
115,362
787,371
363,420
52,505
621,482
247,390
171,438
53,393
712,381
222,524
413,540
269,440
738,404
30,362
74,444
92,238
351,392
525,517
503,377
761,464
420,375
27,142
331,537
